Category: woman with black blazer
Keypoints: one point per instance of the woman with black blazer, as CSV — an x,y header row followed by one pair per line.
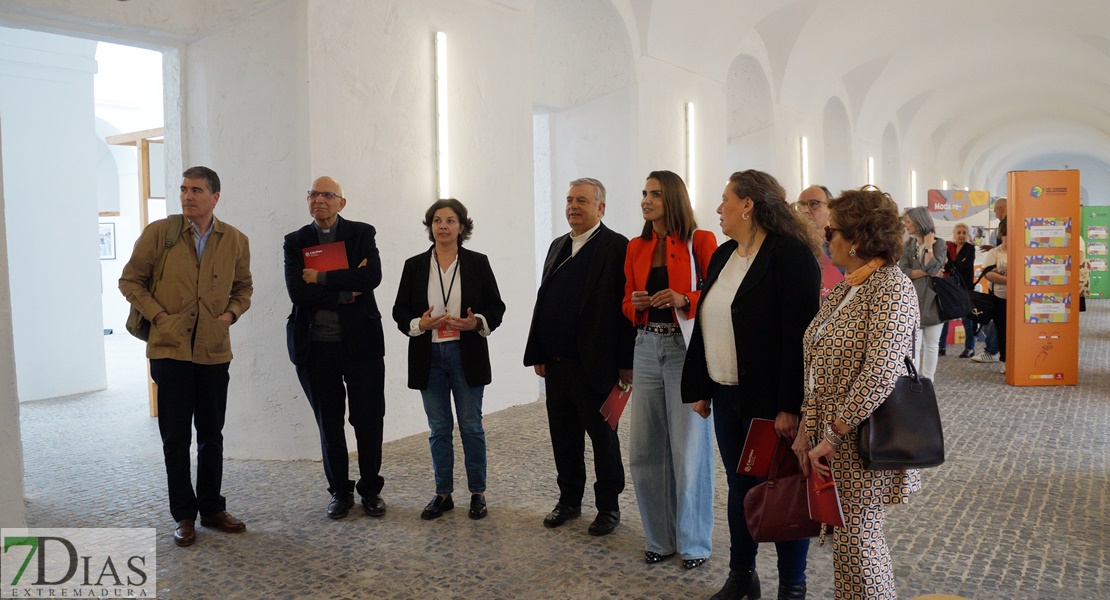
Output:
x,y
448,303
761,290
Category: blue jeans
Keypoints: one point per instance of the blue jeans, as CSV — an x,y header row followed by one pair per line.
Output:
x,y
671,454
991,334
969,336
447,378
732,430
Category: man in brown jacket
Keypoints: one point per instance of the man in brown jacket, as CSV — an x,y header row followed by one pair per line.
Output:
x,y
204,287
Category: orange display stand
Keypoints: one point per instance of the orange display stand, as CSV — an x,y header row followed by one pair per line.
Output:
x,y
1042,320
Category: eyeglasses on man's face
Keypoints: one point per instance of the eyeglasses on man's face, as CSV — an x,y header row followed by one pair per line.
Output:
x,y
811,204
829,231
327,195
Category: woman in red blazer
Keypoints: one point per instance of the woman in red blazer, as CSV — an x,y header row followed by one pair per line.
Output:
x,y
672,448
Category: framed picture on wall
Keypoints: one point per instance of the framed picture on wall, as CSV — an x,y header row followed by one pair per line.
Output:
x,y
107,241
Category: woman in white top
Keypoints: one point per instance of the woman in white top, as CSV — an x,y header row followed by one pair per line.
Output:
x,y
761,289
924,257
996,257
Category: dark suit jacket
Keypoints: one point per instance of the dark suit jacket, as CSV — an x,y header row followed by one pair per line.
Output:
x,y
360,320
604,337
479,294
775,303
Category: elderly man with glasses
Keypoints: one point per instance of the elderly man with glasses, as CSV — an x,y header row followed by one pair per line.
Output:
x,y
335,337
813,202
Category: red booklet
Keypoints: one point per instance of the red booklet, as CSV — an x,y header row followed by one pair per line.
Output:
x,y
326,257
759,448
614,405
824,501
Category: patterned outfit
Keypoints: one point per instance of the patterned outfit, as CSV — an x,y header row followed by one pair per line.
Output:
x,y
851,365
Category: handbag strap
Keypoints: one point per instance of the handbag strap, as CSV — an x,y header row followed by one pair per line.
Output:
x,y
174,232
777,458
983,274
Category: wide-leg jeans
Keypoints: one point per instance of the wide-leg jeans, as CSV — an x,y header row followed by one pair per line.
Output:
x,y
671,455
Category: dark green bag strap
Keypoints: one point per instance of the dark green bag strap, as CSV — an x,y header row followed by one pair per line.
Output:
x,y
174,232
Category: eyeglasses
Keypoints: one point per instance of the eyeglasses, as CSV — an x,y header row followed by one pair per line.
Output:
x,y
327,195
829,231
810,204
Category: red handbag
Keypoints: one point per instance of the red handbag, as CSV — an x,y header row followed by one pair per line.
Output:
x,y
777,510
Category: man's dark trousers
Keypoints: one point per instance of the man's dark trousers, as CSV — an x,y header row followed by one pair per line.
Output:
x,y
188,393
322,378
572,411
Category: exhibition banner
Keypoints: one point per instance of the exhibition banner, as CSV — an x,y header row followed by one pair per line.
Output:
x,y
1096,234
1042,288
957,205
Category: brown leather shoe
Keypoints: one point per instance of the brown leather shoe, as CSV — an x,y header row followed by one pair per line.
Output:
x,y
224,522
185,534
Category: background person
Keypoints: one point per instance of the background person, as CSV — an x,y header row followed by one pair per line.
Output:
x,y
813,203
448,304
854,351
923,257
762,288
671,455
961,260
996,257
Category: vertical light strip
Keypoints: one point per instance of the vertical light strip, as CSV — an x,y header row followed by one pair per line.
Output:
x,y
805,162
913,188
943,184
870,170
691,163
443,163
967,189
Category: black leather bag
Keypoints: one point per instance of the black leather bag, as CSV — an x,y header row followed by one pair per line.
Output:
x,y
953,301
982,305
905,431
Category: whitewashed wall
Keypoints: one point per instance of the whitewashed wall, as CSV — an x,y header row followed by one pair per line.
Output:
x,y
11,444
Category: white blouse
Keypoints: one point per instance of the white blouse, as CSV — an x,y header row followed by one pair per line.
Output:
x,y
440,285
716,320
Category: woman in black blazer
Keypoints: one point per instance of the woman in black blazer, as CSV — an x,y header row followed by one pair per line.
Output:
x,y
761,290
448,303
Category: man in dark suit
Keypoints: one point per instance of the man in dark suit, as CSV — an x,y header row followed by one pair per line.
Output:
x,y
335,337
581,344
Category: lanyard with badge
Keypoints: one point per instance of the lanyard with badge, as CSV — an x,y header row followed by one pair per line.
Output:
x,y
443,332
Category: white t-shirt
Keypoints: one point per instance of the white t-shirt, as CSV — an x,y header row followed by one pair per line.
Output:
x,y
997,257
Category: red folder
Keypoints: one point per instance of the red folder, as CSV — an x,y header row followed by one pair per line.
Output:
x,y
824,501
759,448
614,405
326,257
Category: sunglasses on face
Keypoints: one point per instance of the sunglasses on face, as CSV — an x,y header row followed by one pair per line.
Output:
x,y
829,231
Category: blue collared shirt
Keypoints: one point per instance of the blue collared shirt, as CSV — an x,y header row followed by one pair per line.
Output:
x,y
202,240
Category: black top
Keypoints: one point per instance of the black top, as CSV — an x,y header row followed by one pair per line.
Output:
x,y
657,280
963,264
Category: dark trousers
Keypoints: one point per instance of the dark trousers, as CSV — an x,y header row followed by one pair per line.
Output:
x,y
573,411
732,430
322,378
190,394
1000,325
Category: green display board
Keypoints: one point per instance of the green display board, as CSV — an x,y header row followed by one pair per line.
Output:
x,y
1096,234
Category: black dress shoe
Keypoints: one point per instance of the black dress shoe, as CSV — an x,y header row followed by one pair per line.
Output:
x,y
605,522
561,514
375,507
435,508
693,563
477,507
740,585
652,558
341,503
792,591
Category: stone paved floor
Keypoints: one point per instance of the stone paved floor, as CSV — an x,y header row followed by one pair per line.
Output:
x,y
1020,510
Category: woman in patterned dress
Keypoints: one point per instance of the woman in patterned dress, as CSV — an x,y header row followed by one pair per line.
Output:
x,y
854,351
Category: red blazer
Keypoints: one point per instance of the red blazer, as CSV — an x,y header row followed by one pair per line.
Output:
x,y
637,266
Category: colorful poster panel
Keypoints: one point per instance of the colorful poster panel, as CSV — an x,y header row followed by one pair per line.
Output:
x,y
1098,232
1047,232
1098,249
1099,264
1047,269
1047,308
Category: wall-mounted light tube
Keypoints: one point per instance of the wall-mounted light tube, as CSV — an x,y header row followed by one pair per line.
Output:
x,y
442,158
870,170
913,188
691,162
805,162
944,184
